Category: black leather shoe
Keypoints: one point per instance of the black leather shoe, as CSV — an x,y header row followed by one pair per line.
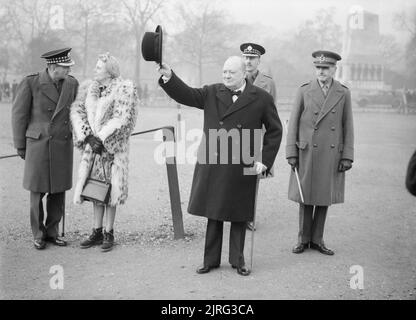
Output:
x,y
322,249
300,247
205,269
56,241
39,244
250,226
243,270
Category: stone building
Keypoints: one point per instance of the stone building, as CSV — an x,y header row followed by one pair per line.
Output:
x,y
361,67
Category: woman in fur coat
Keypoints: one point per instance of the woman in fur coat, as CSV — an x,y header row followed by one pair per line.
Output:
x,y
103,117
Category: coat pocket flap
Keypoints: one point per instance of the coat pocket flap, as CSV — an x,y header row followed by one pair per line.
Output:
x,y
340,147
34,134
302,144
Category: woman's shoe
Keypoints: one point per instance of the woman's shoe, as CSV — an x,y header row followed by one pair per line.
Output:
x,y
94,239
108,241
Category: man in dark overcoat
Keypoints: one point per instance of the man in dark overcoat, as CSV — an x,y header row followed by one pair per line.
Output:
x,y
320,144
411,175
43,138
224,182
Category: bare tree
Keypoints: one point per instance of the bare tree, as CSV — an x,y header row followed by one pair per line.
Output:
x,y
137,14
206,37
406,21
25,21
86,12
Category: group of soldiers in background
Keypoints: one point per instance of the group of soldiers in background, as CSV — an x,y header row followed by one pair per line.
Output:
x,y
8,91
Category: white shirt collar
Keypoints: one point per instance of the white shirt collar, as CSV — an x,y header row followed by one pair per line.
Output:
x,y
242,87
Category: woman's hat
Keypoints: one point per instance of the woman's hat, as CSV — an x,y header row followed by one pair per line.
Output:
x,y
152,45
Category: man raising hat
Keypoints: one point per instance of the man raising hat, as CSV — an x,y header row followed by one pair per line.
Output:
x,y
320,145
42,137
251,53
222,189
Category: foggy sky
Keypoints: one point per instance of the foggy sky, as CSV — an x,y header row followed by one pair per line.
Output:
x,y
285,15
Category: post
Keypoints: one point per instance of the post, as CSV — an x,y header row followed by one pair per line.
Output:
x,y
175,198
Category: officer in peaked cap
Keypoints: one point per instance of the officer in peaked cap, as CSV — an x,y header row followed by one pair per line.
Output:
x,y
325,58
61,57
42,136
320,146
251,53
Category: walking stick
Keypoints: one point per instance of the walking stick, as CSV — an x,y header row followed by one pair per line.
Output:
x,y
63,219
299,186
296,170
254,222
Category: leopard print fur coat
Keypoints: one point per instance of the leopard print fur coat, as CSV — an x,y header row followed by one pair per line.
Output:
x,y
110,114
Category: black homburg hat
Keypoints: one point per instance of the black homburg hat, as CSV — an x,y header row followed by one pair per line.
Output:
x,y
152,45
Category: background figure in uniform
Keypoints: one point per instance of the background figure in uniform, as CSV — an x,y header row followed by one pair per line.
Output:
x,y
103,117
14,89
320,144
411,175
251,53
222,191
42,136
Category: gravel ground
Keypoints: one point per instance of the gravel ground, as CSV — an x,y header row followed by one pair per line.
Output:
x,y
374,228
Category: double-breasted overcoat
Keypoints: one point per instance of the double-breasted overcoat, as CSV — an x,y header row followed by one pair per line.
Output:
x,y
40,121
226,191
320,133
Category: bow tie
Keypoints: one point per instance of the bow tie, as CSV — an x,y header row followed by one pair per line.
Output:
x,y
236,93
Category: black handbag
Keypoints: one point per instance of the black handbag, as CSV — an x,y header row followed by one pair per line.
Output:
x,y
96,190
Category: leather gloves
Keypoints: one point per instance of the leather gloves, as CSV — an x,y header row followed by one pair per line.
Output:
x,y
95,143
21,153
344,165
294,162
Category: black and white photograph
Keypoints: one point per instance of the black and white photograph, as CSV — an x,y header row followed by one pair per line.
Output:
x,y
215,152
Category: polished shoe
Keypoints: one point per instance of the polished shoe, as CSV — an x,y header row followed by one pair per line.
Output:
x,y
322,249
205,269
250,226
39,244
300,247
56,241
243,270
108,241
96,238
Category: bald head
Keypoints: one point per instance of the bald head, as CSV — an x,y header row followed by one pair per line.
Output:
x,y
235,61
233,72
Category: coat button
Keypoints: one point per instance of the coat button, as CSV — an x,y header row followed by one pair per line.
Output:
x,y
332,145
50,137
66,137
316,128
316,112
66,122
333,128
333,111
221,123
315,145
